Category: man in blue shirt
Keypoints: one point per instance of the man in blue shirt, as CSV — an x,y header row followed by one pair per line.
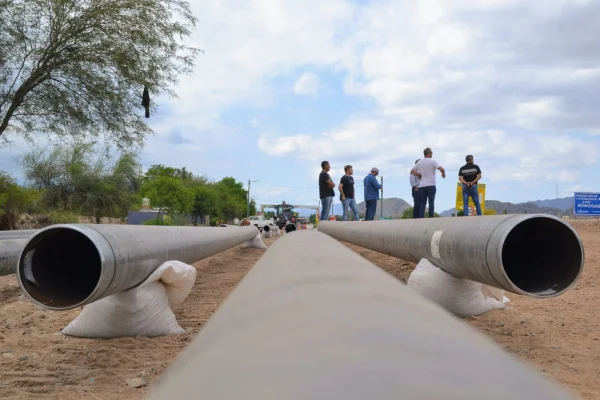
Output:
x,y
414,184
372,188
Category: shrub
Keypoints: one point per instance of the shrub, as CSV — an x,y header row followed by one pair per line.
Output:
x,y
62,217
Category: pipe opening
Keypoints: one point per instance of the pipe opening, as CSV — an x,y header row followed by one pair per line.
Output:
x,y
60,267
290,228
266,228
542,256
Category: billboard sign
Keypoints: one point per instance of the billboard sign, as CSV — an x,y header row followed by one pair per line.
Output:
x,y
586,204
459,199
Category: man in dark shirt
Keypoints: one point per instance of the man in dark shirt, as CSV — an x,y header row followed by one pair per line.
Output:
x,y
469,174
346,187
326,192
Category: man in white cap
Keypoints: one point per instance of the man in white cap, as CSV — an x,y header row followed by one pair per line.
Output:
x,y
372,188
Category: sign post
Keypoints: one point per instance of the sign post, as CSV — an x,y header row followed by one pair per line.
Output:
x,y
459,200
586,203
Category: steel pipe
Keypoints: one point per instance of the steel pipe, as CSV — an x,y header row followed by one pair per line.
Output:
x,y
328,324
10,249
67,266
290,228
11,245
23,233
534,255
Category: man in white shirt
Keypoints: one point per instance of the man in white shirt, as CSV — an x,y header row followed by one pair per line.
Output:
x,y
425,171
414,185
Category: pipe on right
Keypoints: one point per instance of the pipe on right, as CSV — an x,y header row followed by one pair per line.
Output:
x,y
326,324
535,255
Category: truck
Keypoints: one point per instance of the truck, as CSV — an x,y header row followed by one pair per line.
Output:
x,y
258,221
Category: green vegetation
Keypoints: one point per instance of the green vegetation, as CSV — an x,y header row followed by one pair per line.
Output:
x,y
408,214
65,182
77,68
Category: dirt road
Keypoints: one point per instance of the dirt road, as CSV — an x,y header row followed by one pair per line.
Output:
x,y
560,336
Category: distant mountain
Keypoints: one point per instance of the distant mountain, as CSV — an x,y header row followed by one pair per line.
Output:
x,y
392,207
510,208
562,204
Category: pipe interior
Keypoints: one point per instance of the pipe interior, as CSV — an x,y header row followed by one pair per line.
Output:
x,y
290,228
266,228
542,256
65,266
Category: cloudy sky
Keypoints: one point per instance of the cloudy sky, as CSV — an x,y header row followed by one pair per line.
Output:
x,y
283,85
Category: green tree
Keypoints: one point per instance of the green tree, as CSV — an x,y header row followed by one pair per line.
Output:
x,y
169,195
14,199
505,211
460,213
72,180
233,199
205,202
78,67
408,213
312,218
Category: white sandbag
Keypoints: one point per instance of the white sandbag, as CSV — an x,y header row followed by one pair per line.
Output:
x,y
495,293
256,243
462,297
266,234
146,310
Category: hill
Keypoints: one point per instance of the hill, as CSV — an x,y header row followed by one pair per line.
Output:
x,y
511,208
392,207
562,204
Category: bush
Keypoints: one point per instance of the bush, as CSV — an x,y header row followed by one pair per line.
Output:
x,y
158,222
62,217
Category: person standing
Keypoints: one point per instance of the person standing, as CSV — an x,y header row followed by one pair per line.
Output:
x,y
425,171
469,174
346,188
414,184
326,191
372,188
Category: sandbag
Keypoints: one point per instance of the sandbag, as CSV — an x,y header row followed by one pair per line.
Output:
x,y
256,243
266,234
146,310
462,297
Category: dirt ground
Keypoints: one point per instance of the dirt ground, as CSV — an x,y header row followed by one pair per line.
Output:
x,y
560,336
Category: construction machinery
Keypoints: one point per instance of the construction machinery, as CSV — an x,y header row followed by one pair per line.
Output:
x,y
284,214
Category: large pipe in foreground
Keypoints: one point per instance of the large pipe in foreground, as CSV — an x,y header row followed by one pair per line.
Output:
x,y
328,324
66,266
534,255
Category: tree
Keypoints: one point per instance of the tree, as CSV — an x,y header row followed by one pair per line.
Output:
x,y
408,214
168,194
14,199
72,180
78,67
205,202
460,213
505,212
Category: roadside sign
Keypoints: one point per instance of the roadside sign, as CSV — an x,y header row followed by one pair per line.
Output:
x,y
586,204
459,199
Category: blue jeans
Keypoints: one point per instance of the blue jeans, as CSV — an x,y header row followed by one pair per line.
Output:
x,y
427,196
371,209
470,191
326,203
352,204
416,203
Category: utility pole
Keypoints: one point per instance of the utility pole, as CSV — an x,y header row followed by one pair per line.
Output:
x,y
248,201
381,212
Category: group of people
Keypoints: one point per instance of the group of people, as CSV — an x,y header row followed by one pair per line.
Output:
x,y
422,181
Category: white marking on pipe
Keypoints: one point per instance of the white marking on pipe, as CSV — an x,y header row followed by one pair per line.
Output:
x,y
435,244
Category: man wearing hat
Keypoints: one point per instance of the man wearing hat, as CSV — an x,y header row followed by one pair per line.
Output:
x,y
372,188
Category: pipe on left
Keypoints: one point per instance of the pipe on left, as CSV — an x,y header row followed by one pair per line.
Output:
x,y
11,245
66,266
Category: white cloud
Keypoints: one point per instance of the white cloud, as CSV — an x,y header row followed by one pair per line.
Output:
x,y
307,84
